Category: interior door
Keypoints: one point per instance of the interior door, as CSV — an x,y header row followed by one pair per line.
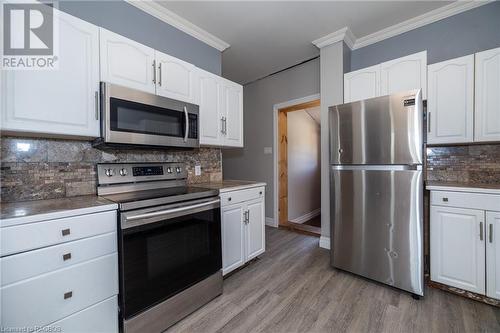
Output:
x,y
175,78
378,225
233,230
255,228
457,247
450,107
487,97
493,254
126,62
63,100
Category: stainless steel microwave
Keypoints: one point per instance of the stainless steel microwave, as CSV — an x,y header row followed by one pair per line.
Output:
x,y
136,118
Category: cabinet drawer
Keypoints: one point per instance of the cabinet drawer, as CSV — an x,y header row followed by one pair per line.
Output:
x,y
31,236
466,200
42,300
101,317
30,264
233,197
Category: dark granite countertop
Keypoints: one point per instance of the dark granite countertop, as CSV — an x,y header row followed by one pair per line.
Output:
x,y
231,185
463,187
40,210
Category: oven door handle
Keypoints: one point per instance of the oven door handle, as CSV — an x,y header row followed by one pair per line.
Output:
x,y
186,132
170,211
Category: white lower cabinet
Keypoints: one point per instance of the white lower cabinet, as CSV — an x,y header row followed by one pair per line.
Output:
x,y
63,273
243,224
493,255
465,241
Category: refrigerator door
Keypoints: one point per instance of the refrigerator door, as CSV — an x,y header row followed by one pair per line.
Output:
x,y
377,223
381,130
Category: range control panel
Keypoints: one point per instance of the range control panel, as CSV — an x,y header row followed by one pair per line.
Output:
x,y
115,173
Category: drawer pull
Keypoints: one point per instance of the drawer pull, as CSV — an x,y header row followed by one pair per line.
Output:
x,y
445,199
66,256
67,295
65,232
229,199
260,193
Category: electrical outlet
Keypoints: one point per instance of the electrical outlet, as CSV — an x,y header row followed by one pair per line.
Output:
x,y
197,170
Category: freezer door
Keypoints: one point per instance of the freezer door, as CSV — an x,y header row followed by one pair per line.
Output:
x,y
377,224
381,130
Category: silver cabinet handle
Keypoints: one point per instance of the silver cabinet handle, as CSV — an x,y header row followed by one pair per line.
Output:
x,y
222,125
187,123
445,199
428,122
490,236
65,232
96,105
67,256
225,126
159,74
248,216
154,71
67,295
481,230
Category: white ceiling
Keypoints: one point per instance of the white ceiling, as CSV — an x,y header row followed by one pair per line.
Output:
x,y
269,36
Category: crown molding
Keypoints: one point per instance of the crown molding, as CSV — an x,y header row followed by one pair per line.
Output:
x,y
400,28
169,17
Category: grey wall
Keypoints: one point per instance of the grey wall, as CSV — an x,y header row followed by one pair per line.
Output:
x,y
462,34
131,22
250,163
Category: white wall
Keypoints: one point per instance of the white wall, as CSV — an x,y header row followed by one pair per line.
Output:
x,y
304,169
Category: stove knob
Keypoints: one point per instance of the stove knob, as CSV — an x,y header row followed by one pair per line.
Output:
x,y
169,170
123,172
109,172
178,170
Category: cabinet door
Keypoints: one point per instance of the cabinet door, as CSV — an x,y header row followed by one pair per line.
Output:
x,y
233,253
493,255
255,233
362,84
450,107
487,112
61,101
233,111
126,62
176,78
406,73
457,247
210,99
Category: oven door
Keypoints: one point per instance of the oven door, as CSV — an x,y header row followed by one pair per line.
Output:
x,y
165,250
134,117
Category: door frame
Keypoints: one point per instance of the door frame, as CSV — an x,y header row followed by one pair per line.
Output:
x,y
291,105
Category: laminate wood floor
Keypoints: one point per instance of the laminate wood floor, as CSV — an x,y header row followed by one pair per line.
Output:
x,y
292,288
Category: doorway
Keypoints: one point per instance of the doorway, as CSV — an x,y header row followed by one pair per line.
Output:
x,y
299,167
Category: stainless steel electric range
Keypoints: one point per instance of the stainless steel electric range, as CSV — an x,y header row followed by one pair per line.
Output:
x,y
169,238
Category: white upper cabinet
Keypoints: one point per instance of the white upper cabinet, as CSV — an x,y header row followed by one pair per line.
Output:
x,y
126,62
62,101
232,94
487,111
450,106
175,78
210,99
493,255
406,73
362,84
457,247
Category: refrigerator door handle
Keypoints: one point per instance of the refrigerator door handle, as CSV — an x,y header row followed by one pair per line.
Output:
x,y
378,167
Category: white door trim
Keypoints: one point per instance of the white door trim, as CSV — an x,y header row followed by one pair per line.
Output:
x,y
276,107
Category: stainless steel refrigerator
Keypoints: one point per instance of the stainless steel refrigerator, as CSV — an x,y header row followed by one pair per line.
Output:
x,y
376,188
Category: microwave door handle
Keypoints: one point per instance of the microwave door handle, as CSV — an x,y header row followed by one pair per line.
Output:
x,y
170,211
186,132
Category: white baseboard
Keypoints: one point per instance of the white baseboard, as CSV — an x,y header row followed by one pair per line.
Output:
x,y
324,242
306,217
270,222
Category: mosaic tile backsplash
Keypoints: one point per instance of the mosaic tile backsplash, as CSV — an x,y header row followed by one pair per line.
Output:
x,y
474,164
34,169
